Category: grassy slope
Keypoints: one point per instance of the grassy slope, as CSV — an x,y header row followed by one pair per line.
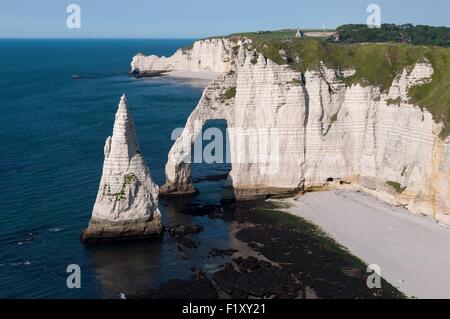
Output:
x,y
375,64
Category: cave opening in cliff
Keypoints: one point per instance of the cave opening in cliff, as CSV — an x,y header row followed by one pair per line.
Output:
x,y
211,171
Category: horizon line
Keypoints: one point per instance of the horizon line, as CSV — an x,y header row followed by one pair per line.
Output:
x,y
198,37
99,38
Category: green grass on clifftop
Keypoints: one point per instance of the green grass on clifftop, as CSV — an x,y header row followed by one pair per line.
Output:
x,y
375,64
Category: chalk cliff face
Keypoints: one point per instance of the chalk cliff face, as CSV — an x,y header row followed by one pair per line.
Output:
x,y
312,130
127,199
206,55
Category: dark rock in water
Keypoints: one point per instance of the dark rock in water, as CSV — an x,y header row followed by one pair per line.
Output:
x,y
219,213
257,278
200,288
183,253
182,230
31,237
212,211
215,252
148,74
198,274
187,242
251,264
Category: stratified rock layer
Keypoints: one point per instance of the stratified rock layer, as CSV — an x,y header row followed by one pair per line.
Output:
x,y
328,134
207,55
127,201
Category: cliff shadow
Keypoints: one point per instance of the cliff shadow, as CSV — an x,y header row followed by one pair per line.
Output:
x,y
125,267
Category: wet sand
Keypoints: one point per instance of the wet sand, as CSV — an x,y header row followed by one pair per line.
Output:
x,y
412,250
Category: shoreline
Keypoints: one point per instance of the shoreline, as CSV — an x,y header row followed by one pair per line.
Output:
x,y
271,254
187,74
412,250
201,75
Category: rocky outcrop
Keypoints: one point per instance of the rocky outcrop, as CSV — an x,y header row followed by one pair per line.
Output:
x,y
127,201
313,131
207,55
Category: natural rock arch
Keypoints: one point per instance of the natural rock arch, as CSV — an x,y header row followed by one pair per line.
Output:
x,y
264,140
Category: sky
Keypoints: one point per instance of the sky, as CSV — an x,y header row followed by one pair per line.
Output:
x,y
201,18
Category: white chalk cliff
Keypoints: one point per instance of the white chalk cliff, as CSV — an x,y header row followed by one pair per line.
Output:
x,y
127,199
329,135
207,55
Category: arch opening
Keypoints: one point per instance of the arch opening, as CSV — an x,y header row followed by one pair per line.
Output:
x,y
211,160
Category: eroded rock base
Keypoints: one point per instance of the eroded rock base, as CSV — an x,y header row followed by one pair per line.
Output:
x,y
105,231
177,190
260,193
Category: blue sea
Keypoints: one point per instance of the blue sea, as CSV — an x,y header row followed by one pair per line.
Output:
x,y
52,132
